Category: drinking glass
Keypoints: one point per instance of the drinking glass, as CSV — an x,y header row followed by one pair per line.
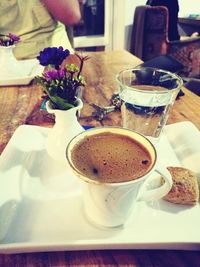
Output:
x,y
147,96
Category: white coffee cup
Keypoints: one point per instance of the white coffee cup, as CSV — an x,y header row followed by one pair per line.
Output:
x,y
110,204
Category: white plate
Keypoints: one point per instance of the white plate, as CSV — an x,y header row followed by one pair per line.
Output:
x,y
26,70
41,206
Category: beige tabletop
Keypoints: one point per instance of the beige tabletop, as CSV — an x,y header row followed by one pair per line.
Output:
x,y
21,105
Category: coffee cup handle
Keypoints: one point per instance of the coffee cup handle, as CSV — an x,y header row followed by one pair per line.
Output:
x,y
152,189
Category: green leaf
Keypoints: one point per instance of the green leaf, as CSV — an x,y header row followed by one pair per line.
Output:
x,y
60,103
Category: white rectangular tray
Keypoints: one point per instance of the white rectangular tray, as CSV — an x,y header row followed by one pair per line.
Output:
x,y
31,68
41,206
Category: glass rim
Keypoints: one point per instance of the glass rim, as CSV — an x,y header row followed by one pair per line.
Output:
x,y
155,69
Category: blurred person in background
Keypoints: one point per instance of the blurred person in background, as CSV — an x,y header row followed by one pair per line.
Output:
x,y
38,23
94,16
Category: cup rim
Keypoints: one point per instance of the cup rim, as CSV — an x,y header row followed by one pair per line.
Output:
x,y
156,69
104,129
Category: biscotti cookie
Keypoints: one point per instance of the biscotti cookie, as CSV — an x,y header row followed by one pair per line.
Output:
x,y
185,189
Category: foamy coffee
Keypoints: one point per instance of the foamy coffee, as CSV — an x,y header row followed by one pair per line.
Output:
x,y
111,158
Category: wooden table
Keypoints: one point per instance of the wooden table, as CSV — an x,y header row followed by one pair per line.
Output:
x,y
21,105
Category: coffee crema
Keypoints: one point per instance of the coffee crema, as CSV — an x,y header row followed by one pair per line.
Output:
x,y
111,158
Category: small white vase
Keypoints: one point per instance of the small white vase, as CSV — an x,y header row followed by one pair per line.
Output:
x,y
9,67
65,128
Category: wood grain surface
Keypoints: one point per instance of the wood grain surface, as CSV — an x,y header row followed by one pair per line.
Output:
x,y
21,105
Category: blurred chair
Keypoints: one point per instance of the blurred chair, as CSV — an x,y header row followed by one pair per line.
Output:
x,y
150,39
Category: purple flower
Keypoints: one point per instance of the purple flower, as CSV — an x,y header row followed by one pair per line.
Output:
x,y
51,74
54,74
62,72
53,56
13,37
10,39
